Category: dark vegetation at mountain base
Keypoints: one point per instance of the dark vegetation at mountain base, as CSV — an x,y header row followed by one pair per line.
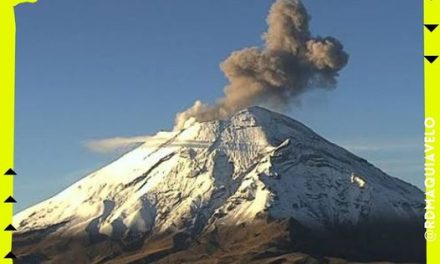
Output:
x,y
265,241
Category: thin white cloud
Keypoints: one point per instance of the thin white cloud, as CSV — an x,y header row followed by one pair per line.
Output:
x,y
119,144
122,144
109,145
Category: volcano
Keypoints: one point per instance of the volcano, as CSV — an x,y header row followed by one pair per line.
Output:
x,y
258,187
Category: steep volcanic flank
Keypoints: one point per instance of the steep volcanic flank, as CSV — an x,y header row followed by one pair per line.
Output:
x,y
258,187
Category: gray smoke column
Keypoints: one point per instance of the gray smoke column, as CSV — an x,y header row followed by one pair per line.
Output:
x,y
291,62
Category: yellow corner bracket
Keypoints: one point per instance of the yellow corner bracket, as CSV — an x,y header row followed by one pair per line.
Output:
x,y
7,86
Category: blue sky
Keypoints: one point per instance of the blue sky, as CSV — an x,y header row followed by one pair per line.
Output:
x,y
98,69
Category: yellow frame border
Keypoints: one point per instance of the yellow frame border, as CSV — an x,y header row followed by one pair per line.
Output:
x,y
7,68
431,43
7,107
7,99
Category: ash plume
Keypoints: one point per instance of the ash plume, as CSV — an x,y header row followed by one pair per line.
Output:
x,y
291,62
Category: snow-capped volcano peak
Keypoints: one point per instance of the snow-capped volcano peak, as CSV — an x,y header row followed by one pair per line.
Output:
x,y
254,165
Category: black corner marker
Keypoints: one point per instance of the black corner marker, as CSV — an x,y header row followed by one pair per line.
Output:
x,y
10,228
431,59
10,199
431,27
10,172
10,255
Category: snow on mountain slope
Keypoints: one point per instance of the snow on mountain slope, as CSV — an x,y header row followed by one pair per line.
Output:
x,y
253,164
